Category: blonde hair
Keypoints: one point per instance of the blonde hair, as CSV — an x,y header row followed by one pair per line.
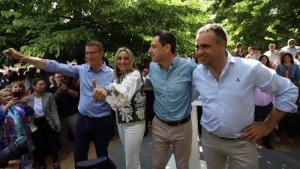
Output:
x,y
117,72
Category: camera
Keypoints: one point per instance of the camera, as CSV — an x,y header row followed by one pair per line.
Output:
x,y
14,151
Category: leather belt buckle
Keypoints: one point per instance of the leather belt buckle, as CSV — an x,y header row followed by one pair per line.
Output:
x,y
175,123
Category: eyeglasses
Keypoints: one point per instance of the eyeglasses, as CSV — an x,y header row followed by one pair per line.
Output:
x,y
91,53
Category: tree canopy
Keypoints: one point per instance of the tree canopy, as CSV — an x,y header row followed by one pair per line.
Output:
x,y
59,28
259,22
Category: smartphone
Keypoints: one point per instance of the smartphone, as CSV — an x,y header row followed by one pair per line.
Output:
x,y
17,95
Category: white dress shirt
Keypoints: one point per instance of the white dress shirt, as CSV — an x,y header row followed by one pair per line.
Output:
x,y
228,104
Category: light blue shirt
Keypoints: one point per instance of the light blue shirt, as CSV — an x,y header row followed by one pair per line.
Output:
x,y
228,104
87,105
172,89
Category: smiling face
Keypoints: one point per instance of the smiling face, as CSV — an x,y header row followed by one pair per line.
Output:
x,y
209,48
123,62
5,96
93,56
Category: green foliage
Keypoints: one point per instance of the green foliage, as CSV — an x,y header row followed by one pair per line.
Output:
x,y
59,28
257,23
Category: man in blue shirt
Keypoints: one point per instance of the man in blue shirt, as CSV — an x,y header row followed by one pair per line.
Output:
x,y
227,86
93,123
170,77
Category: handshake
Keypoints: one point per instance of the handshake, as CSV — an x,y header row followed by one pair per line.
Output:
x,y
98,92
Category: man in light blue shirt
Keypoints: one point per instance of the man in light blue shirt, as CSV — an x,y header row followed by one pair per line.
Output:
x,y
93,123
226,85
170,77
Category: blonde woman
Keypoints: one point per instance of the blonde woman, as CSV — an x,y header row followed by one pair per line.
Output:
x,y
126,97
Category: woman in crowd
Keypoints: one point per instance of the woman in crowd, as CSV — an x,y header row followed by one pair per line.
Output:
x,y
288,69
18,89
128,100
14,124
48,125
263,104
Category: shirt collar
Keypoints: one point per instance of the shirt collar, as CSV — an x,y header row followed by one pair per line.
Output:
x,y
230,59
103,68
173,64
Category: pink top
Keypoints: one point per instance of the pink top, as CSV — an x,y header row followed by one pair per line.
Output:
x,y
263,99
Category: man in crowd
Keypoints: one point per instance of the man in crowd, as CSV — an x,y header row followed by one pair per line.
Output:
x,y
291,47
93,123
170,77
66,97
273,55
227,86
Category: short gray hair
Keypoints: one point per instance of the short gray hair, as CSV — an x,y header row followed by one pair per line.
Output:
x,y
216,28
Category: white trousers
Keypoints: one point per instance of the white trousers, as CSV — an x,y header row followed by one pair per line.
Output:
x,y
132,138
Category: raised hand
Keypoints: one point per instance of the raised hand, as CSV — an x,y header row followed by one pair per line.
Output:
x,y
12,53
98,93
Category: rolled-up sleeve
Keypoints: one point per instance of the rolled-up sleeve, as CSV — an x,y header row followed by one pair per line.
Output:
x,y
285,92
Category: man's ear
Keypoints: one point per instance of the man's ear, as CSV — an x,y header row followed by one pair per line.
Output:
x,y
168,47
224,43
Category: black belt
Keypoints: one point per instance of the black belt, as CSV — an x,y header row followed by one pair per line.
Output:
x,y
223,138
175,123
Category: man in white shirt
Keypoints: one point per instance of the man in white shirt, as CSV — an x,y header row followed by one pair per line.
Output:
x,y
291,47
251,54
226,85
273,55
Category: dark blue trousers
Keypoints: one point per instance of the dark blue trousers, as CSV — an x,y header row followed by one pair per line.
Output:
x,y
96,130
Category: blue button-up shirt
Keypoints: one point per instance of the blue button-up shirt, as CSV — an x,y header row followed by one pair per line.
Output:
x,y
172,89
228,103
104,76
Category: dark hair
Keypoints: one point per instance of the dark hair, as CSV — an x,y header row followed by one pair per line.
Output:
x,y
36,80
217,29
268,64
290,55
166,37
95,43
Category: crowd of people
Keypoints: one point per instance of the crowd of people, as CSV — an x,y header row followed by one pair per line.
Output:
x,y
243,100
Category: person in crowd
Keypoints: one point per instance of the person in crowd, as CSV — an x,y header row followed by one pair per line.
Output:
x,y
251,54
229,132
18,89
264,104
14,124
170,78
149,102
128,100
291,47
66,98
288,69
273,55
298,55
29,76
94,114
52,84
48,125
239,53
238,47
3,81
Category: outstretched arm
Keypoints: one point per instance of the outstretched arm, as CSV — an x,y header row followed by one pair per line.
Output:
x,y
12,53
